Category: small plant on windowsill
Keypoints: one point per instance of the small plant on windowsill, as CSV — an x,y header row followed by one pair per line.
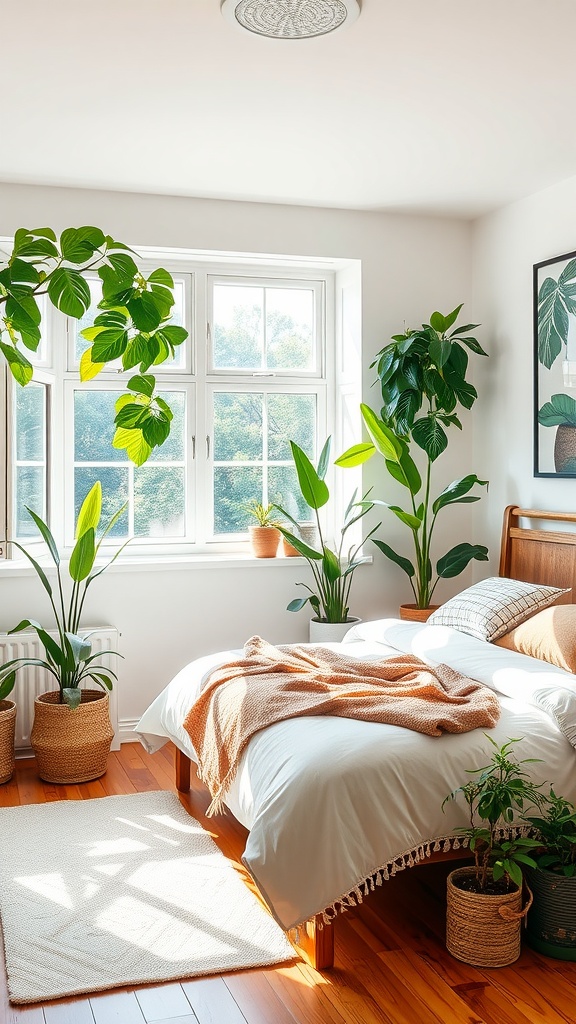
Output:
x,y
264,532
63,714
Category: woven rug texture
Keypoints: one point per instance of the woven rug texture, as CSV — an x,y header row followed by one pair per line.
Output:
x,y
122,890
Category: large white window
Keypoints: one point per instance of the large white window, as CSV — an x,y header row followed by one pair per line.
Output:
x,y
257,370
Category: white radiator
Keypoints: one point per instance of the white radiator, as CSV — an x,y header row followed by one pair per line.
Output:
x,y
34,680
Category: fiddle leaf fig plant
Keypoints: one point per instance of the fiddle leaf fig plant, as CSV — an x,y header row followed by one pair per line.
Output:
x,y
422,374
68,655
133,326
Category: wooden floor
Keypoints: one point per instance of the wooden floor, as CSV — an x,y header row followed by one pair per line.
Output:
x,y
391,964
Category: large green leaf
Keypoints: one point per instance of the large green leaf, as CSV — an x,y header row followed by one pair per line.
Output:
x,y
46,534
7,685
20,367
83,555
133,443
314,490
79,244
324,459
430,436
356,455
559,411
453,493
404,563
72,696
303,549
331,565
455,561
109,344
382,436
90,510
69,292
413,522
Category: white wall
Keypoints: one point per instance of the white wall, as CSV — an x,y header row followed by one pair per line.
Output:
x,y
410,266
506,244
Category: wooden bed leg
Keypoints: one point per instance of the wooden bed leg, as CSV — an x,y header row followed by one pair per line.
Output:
x,y
182,765
314,943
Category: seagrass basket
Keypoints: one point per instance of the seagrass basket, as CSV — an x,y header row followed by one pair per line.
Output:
x,y
483,930
7,726
71,746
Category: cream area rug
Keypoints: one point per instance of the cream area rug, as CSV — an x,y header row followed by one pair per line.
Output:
x,y
120,891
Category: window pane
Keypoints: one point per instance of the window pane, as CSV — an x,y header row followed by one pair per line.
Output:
x,y
290,329
114,482
94,427
30,489
159,502
238,327
283,489
237,427
291,418
233,486
30,422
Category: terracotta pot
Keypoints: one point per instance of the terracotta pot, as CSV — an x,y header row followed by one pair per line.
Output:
x,y
308,534
71,746
265,541
330,632
7,727
413,614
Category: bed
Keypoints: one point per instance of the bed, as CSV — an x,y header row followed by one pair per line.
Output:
x,y
335,807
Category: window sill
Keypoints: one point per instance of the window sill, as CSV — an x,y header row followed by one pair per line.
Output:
x,y
11,568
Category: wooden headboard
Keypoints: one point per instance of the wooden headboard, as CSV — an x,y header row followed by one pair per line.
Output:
x,y
536,555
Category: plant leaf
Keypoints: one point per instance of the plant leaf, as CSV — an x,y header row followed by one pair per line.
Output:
x,y
455,561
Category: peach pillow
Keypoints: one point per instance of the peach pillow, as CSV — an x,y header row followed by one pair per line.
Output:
x,y
550,635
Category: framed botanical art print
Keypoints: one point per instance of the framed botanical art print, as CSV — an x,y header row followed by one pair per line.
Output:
x,y
555,367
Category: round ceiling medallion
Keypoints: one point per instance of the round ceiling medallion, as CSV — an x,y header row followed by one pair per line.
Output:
x,y
291,19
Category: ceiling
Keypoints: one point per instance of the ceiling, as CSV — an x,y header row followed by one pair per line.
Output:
x,y
446,106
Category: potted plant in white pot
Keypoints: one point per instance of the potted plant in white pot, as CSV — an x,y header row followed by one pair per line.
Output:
x,y
484,902
551,925
422,376
71,735
332,571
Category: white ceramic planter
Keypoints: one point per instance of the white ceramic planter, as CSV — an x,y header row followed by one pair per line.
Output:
x,y
330,632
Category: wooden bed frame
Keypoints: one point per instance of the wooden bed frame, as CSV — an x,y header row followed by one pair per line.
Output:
x,y
526,553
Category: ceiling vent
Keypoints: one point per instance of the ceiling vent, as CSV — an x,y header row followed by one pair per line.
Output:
x,y
291,19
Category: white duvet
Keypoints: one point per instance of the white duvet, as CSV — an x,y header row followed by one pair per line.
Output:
x,y
331,802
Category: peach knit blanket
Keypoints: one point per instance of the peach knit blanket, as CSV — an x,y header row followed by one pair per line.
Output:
x,y
271,684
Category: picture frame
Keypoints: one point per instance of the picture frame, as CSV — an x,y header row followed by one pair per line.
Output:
x,y
554,310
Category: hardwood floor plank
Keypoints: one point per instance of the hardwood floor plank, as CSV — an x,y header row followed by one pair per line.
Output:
x,y
212,1002
188,1019
116,1008
491,1004
345,994
77,1012
256,999
425,984
305,1001
536,989
160,1001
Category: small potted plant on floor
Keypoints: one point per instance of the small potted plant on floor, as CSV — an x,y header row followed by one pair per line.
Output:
x,y
71,735
264,532
551,926
484,902
332,571
422,376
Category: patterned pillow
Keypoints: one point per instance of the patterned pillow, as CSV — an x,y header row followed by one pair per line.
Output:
x,y
549,635
493,607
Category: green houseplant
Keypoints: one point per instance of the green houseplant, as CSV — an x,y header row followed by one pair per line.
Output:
x,y
69,712
332,571
264,532
551,927
422,375
484,902
133,325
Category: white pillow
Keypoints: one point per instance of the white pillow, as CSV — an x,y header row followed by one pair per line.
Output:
x,y
493,607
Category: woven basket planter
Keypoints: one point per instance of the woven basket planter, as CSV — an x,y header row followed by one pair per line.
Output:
x,y
7,726
551,927
264,541
71,746
483,930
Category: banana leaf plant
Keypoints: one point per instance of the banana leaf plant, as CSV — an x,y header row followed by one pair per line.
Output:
x,y
134,325
332,571
69,659
422,375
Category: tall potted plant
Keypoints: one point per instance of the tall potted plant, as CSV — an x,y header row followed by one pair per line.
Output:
x,y
422,376
72,733
484,902
332,571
